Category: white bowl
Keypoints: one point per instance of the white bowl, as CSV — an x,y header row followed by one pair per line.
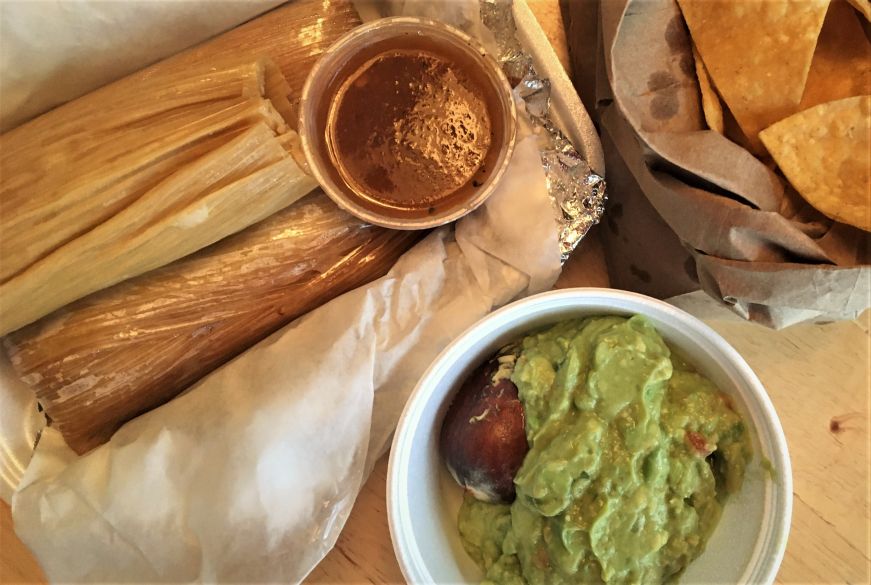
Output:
x,y
423,500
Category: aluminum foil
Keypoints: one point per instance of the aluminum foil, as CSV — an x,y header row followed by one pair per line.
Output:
x,y
577,191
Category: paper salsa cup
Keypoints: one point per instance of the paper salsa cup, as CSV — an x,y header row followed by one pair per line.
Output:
x,y
322,86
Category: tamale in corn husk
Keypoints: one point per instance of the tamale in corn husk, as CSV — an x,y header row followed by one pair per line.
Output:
x,y
135,176
120,352
69,170
72,169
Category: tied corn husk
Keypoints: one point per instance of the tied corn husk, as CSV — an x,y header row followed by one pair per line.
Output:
x,y
293,36
138,174
125,350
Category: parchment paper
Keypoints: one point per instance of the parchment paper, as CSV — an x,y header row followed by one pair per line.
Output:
x,y
749,240
20,425
250,475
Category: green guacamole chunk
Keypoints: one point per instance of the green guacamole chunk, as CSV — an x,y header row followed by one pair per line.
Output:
x,y
632,454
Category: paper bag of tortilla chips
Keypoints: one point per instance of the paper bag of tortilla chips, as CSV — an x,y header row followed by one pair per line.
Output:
x,y
754,152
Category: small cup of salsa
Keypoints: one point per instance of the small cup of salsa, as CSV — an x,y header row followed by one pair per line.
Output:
x,y
407,123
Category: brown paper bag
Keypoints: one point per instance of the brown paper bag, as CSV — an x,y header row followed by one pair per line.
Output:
x,y
757,246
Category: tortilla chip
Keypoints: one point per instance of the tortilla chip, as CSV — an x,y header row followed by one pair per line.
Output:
x,y
732,130
841,66
863,6
758,53
824,152
710,100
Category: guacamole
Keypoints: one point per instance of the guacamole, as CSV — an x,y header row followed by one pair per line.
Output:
x,y
631,455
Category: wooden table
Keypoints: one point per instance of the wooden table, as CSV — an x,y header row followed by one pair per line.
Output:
x,y
817,377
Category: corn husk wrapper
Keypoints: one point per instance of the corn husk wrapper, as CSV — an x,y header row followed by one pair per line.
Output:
x,y
136,175
113,355
291,37
99,153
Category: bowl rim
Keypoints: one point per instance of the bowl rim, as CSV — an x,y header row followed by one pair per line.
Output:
x,y
763,568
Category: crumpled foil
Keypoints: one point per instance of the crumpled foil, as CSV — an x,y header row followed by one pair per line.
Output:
x,y
577,191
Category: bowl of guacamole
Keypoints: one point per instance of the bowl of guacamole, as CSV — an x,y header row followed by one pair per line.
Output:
x,y
650,452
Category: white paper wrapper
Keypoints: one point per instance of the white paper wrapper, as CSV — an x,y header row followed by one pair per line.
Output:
x,y
20,424
250,475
